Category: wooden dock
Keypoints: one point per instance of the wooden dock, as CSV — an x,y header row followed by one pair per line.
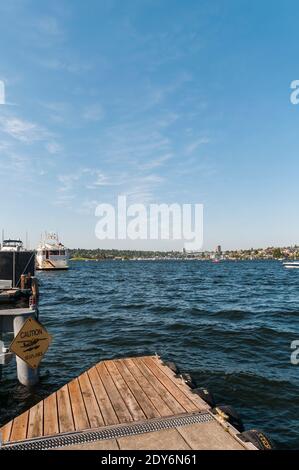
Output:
x,y
133,403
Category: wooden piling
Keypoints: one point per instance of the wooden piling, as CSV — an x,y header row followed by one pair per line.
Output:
x,y
26,375
34,290
23,281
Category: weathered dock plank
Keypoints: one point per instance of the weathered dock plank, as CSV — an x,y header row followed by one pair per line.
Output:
x,y
172,387
51,423
65,415
117,402
148,389
200,404
78,407
93,411
6,431
145,404
19,427
102,397
128,397
35,421
115,395
175,407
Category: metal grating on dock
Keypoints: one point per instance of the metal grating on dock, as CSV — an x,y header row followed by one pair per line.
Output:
x,y
129,403
105,433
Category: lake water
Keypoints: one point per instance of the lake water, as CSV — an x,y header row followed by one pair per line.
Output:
x,y
229,324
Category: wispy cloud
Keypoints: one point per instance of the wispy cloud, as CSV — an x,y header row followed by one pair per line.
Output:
x,y
64,200
156,162
158,93
87,207
162,48
100,179
4,146
78,184
67,181
16,165
135,142
24,131
191,147
85,179
27,132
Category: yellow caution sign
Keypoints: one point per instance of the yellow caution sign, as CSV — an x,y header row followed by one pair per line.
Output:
x,y
31,343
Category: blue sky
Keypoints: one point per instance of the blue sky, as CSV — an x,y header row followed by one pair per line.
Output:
x,y
164,101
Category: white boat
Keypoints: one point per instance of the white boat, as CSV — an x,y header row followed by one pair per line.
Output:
x,y
291,264
12,245
51,253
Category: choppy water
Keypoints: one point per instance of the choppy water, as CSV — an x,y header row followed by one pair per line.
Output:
x,y
229,324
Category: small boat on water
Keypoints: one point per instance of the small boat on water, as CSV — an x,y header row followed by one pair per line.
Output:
x,y
12,245
51,253
17,281
291,264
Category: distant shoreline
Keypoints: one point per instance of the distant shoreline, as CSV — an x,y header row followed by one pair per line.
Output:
x,y
271,253
170,259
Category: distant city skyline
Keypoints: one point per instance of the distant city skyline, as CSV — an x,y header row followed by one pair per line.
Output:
x,y
164,102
